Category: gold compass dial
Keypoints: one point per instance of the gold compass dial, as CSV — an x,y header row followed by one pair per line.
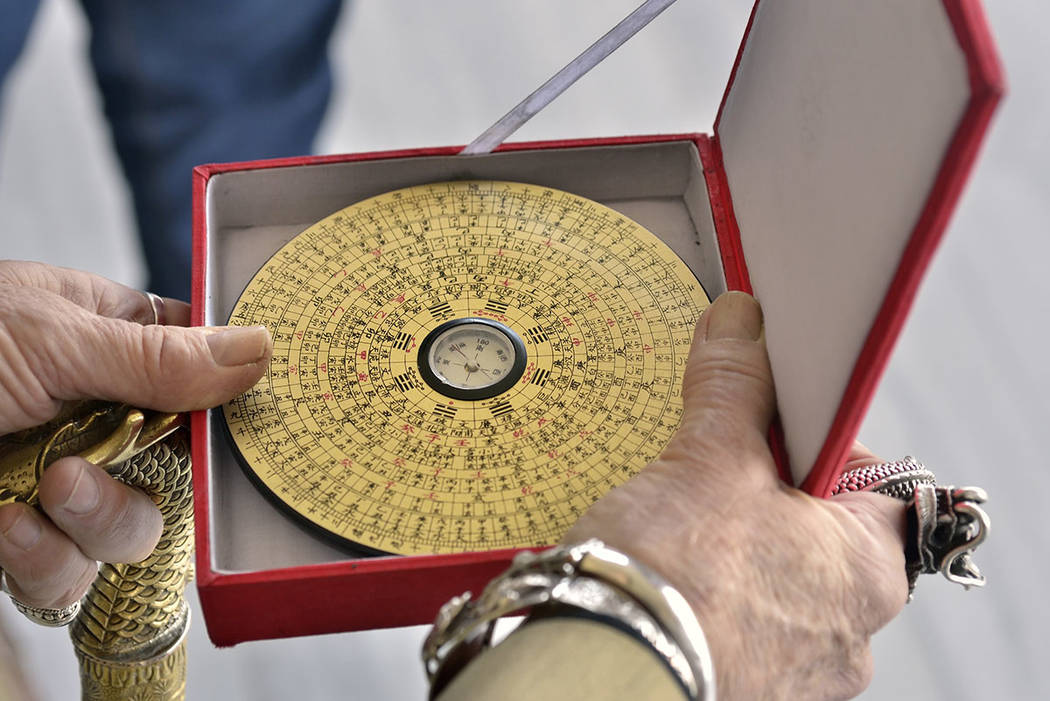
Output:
x,y
361,428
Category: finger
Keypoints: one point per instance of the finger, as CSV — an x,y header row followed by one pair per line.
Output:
x,y
728,398
108,521
877,528
176,312
43,567
874,526
888,510
147,309
859,456
94,292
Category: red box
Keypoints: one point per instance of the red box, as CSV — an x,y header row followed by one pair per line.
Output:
x,y
845,136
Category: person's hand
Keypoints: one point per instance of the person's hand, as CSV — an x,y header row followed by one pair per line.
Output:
x,y
788,588
68,335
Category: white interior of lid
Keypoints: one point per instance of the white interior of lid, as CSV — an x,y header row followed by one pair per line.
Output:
x,y
250,214
833,134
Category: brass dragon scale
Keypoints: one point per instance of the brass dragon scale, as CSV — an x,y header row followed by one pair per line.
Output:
x,y
130,634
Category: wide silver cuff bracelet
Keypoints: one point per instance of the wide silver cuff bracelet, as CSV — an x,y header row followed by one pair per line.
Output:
x,y
593,578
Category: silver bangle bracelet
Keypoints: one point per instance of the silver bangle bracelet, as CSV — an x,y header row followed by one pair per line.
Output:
x,y
593,578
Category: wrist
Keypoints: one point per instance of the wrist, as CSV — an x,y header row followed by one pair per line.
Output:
x,y
566,658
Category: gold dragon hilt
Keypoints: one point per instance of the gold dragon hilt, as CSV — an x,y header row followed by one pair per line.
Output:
x,y
129,636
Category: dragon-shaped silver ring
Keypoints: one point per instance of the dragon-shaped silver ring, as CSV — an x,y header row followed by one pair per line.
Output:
x,y
945,523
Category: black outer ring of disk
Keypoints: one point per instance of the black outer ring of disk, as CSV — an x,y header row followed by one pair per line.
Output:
x,y
350,546
436,383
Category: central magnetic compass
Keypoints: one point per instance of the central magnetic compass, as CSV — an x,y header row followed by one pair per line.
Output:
x,y
471,358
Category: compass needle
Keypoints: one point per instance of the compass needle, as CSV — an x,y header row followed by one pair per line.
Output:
x,y
520,354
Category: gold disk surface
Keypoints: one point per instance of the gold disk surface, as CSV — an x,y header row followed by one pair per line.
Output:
x,y
395,318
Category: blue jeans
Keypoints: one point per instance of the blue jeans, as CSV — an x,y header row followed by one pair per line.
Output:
x,y
186,82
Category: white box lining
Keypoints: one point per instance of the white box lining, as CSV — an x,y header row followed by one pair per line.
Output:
x,y
832,135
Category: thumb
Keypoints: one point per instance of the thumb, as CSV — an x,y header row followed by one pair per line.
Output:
x,y
168,368
52,349
727,390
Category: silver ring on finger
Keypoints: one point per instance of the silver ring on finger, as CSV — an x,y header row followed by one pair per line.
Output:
x,y
156,305
48,617
896,479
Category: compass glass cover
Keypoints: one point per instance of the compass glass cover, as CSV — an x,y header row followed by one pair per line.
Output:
x,y
471,356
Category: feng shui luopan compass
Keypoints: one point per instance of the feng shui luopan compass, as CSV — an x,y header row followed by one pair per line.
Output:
x,y
462,365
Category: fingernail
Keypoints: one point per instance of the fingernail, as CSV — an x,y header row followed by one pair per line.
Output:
x,y
239,345
734,315
84,496
25,531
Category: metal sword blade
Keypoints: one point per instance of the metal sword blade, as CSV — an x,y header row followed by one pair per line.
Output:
x,y
560,81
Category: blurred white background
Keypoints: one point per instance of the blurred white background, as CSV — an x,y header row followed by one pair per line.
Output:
x,y
967,389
